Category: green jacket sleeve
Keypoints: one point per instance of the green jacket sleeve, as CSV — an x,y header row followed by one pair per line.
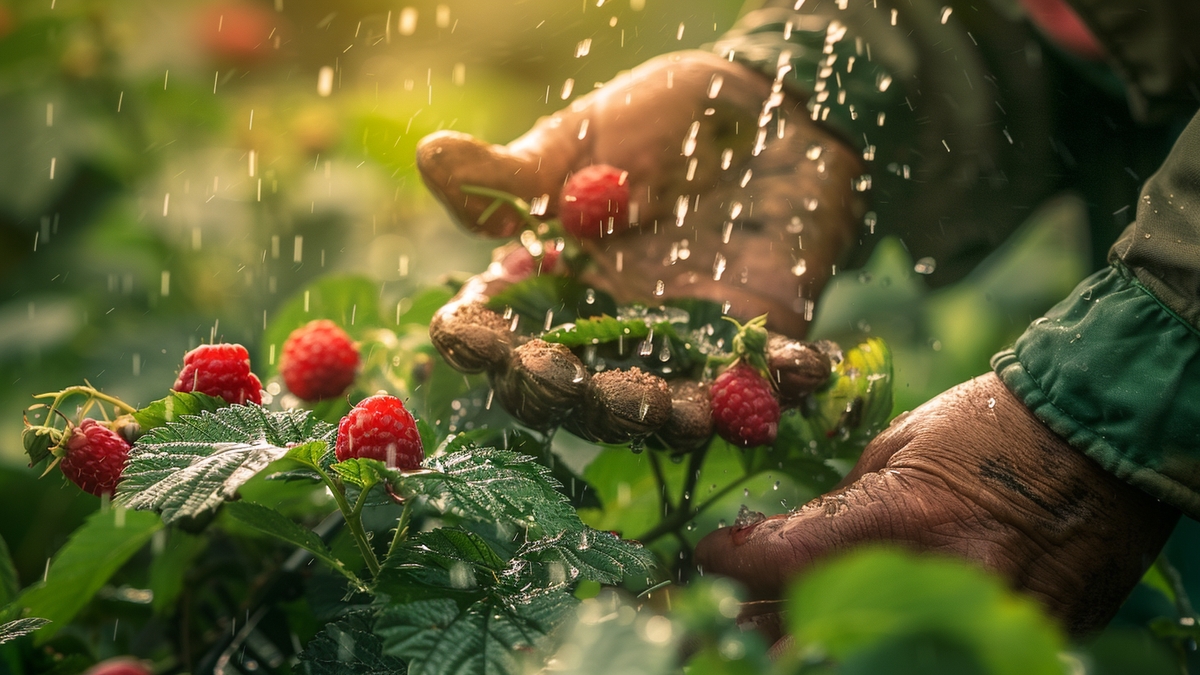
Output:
x,y
924,90
1115,367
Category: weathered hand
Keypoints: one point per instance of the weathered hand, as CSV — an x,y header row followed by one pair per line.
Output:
x,y
725,209
972,473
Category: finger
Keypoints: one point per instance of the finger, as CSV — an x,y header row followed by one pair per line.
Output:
x,y
904,508
449,160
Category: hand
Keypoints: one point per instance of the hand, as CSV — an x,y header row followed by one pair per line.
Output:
x,y
798,212
972,473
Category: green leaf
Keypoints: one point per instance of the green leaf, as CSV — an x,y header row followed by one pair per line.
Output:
x,y
853,604
443,563
435,638
315,455
424,305
94,553
351,302
192,466
10,585
174,406
349,647
564,298
598,330
567,558
19,628
599,645
271,522
168,571
490,485
361,473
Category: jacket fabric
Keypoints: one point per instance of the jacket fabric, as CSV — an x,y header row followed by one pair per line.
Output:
x,y
968,118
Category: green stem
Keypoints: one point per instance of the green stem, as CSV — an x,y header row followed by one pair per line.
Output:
x,y
91,392
1183,603
354,522
401,528
683,515
695,461
664,502
519,205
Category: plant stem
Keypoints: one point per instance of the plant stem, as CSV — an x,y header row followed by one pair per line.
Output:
x,y
401,528
695,461
1183,603
683,515
91,392
354,522
519,205
664,501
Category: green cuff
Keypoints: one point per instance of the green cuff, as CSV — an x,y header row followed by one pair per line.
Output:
x,y
1117,374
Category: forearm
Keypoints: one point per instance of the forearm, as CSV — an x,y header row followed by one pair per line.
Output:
x,y
1115,367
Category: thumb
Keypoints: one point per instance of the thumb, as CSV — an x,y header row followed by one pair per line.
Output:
x,y
533,166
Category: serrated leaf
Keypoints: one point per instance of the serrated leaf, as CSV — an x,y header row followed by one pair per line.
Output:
x,y
349,647
192,466
20,628
598,330
9,584
315,454
174,406
271,522
429,435
490,485
570,557
361,473
93,553
446,562
487,638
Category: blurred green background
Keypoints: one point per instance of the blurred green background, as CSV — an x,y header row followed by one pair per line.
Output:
x,y
172,172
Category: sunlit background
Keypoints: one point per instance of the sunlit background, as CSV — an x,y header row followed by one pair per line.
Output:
x,y
173,172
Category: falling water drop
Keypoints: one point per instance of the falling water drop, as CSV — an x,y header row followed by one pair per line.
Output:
x,y
718,266
813,151
800,267
726,158
714,85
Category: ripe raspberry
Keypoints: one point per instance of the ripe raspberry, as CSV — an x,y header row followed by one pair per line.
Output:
x,y
221,370
121,665
95,457
319,361
744,408
519,264
380,428
595,202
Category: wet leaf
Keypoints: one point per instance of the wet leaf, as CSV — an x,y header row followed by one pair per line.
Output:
x,y
192,466
174,406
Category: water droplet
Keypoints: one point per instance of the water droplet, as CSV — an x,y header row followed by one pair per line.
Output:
x,y
719,266
810,203
726,158
714,85
796,226
590,296
813,151
776,486
745,177
870,219
566,88
681,209
883,80
991,403
583,48
863,183
800,267
735,210
659,288
925,265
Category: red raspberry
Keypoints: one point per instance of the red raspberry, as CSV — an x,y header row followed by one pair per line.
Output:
x,y
519,264
744,408
380,428
121,665
595,202
221,370
95,457
319,361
